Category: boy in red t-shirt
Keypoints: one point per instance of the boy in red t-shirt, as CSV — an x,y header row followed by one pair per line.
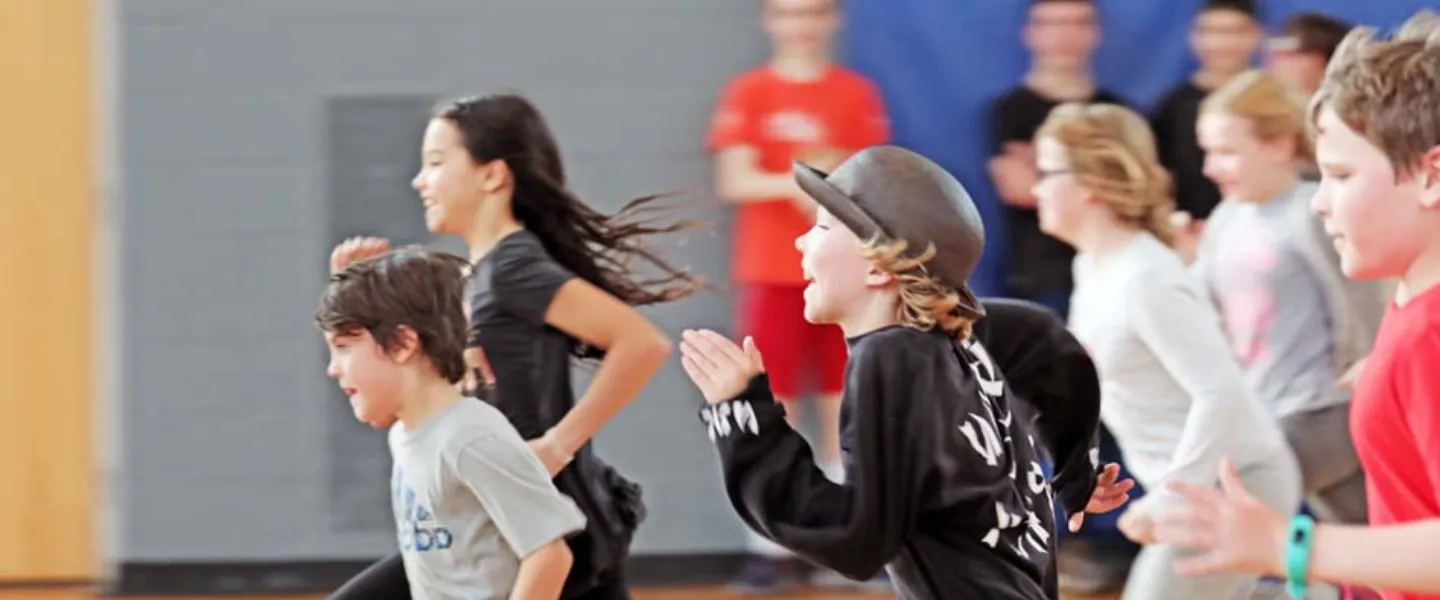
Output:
x,y
798,106
1377,115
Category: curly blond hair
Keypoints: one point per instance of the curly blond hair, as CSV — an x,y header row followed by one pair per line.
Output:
x,y
1388,90
1112,153
926,303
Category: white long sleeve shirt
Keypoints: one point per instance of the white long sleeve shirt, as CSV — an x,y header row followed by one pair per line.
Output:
x,y
1172,392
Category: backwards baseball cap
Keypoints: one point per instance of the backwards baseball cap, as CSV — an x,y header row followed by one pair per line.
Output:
x,y
888,193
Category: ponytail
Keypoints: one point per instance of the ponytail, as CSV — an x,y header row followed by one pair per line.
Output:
x,y
1157,222
1160,207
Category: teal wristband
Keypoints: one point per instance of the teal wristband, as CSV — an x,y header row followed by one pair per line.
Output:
x,y
1297,555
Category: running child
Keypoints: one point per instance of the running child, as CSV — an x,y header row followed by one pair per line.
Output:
x,y
476,513
943,484
1174,395
552,282
1293,320
1377,119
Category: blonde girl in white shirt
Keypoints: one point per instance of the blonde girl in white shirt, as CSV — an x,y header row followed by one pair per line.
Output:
x,y
1173,393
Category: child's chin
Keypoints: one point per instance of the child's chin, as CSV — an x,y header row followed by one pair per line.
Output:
x,y
375,421
815,316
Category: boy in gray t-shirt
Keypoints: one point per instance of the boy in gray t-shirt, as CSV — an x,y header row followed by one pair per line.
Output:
x,y
477,514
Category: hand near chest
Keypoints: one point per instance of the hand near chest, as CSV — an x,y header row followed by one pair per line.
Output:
x,y
718,367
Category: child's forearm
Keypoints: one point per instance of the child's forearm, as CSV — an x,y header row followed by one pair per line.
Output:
x,y
1394,557
542,573
626,368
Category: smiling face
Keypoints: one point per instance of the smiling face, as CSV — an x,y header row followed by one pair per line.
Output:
x,y
838,275
369,376
1242,165
452,187
1379,225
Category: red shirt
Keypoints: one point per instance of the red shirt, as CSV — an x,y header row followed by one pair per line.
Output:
x,y
779,119
1395,418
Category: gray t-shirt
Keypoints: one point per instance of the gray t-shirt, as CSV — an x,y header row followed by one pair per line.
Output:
x,y
1274,305
471,500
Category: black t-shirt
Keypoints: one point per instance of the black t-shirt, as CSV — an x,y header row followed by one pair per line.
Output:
x,y
1179,147
943,481
510,291
1038,262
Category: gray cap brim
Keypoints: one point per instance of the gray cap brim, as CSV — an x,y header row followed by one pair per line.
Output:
x,y
813,182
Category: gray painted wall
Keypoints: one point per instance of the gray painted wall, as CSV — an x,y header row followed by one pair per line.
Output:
x,y
232,443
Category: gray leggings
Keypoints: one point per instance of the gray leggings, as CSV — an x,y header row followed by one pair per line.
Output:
x,y
1333,482
1276,482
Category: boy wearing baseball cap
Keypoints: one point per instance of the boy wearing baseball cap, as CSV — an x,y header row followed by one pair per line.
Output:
x,y
942,458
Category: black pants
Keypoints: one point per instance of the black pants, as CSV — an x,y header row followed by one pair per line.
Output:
x,y
385,580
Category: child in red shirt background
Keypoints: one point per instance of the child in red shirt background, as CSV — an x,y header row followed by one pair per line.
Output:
x,y
1377,118
798,106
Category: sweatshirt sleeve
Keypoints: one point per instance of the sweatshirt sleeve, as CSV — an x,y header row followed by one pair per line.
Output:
x,y
773,483
1185,334
1052,376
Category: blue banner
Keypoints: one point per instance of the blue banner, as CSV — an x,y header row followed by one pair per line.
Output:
x,y
940,62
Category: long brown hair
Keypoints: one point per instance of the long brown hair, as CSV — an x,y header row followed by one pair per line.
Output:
x,y
599,248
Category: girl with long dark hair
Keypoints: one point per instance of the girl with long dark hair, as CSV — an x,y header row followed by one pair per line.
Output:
x,y
553,281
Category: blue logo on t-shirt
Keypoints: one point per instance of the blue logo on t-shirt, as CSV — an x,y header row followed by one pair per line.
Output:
x,y
417,529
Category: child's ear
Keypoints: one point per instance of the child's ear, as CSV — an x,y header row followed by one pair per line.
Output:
x,y
1429,174
878,277
405,345
494,175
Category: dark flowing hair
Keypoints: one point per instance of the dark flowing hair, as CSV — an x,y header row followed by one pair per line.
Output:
x,y
600,248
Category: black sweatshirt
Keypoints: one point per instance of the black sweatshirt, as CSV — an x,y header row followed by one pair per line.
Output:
x,y
943,482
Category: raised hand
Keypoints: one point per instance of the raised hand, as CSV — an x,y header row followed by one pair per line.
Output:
x,y
1110,493
718,367
1232,531
356,249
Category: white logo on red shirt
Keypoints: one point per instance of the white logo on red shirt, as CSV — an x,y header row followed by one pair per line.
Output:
x,y
795,127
